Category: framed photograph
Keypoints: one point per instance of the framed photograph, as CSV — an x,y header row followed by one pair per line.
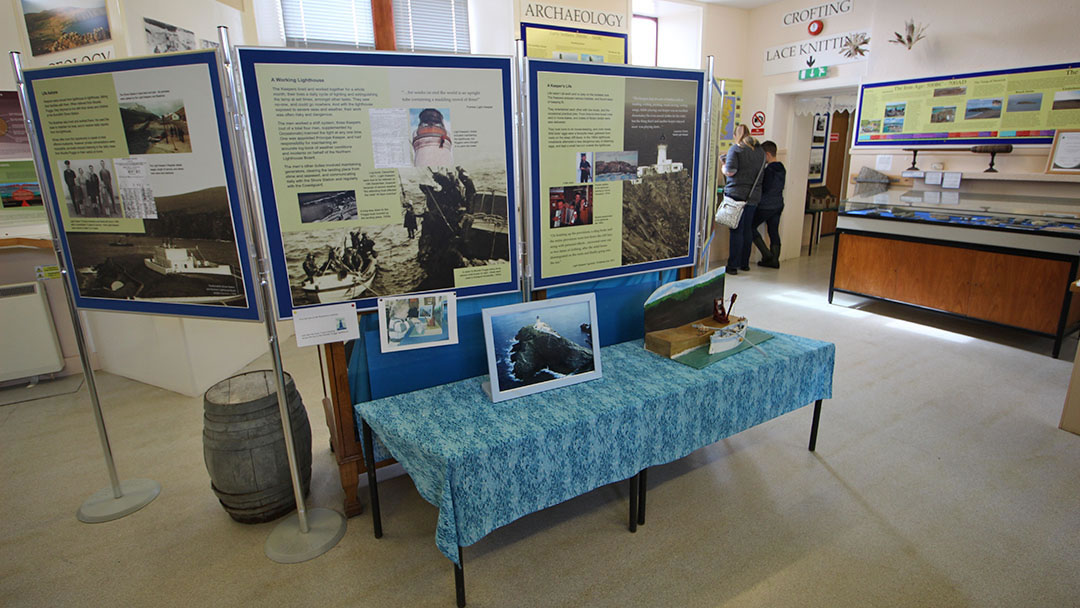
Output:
x,y
417,321
541,345
1065,153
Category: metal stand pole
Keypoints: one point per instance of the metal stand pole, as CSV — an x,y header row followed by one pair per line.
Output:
x,y
520,91
305,535
121,497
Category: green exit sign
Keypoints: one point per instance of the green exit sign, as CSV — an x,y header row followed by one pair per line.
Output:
x,y
812,73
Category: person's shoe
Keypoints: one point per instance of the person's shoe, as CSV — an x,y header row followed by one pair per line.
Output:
x,y
747,267
769,263
731,270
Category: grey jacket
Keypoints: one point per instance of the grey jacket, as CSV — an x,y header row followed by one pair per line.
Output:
x,y
746,163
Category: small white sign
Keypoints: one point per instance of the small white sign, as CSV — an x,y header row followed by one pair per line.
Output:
x,y
325,324
933,178
836,49
951,179
950,198
911,174
884,162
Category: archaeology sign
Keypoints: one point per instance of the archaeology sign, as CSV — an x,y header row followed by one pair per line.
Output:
x,y
573,17
836,49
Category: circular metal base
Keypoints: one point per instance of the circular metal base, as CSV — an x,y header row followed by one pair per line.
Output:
x,y
102,506
288,545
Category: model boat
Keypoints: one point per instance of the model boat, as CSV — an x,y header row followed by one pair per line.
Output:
x,y
727,338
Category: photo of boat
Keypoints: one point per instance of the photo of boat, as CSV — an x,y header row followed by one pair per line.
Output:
x,y
341,286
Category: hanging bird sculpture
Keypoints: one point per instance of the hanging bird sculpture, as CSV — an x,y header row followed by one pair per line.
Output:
x,y
912,33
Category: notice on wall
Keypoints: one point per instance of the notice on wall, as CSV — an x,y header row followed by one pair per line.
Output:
x,y
20,195
135,154
617,157
380,178
1021,106
549,42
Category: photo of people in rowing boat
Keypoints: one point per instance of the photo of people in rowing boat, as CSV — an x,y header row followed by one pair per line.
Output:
x,y
156,126
451,217
571,206
336,206
90,188
188,254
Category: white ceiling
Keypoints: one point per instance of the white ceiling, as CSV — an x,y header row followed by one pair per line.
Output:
x,y
741,3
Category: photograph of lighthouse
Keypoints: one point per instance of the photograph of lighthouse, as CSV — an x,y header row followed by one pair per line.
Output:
x,y
659,123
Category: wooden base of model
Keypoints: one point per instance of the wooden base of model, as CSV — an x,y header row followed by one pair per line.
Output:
x,y
677,340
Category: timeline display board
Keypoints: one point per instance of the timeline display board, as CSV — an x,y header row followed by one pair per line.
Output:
x,y
139,167
570,44
1020,106
383,174
614,153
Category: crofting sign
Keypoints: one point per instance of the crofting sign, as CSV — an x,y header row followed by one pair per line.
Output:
x,y
822,11
541,12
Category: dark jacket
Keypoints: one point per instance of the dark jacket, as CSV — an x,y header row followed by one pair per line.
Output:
x,y
772,186
746,163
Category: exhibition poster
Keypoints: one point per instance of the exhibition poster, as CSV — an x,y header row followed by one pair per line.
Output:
x,y
1009,106
566,44
614,153
138,163
730,112
715,154
383,174
14,143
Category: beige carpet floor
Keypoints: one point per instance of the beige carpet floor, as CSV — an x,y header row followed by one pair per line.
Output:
x,y
940,479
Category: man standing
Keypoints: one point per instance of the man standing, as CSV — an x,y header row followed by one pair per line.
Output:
x,y
106,189
73,190
585,167
410,220
93,191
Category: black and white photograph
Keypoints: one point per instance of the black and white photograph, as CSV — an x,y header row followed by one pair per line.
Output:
x,y
817,163
571,206
187,254
450,218
90,188
541,345
156,126
136,192
335,206
165,38
615,166
821,126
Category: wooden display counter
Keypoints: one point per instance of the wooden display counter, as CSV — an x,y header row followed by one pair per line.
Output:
x,y
1024,289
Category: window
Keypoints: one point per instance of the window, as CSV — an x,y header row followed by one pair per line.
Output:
x,y
643,37
432,25
322,23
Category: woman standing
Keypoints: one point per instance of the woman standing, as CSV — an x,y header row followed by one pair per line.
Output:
x,y
743,167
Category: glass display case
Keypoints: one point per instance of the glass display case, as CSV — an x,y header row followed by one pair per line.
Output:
x,y
1030,214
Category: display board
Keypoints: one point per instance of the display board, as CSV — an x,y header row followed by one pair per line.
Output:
x,y
712,162
570,44
731,111
614,155
1020,106
383,174
139,170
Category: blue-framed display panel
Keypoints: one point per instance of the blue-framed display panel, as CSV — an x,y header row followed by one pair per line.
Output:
x,y
250,57
576,30
920,141
208,58
534,67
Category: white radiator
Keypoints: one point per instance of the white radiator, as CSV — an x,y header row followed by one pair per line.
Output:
x,y
28,343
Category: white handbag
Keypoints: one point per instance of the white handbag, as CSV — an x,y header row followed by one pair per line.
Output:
x,y
730,211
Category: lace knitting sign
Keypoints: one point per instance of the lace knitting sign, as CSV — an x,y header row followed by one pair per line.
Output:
x,y
847,47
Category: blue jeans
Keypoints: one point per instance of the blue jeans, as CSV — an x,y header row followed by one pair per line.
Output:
x,y
742,238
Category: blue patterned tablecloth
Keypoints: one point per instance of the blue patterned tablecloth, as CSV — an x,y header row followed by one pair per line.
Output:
x,y
486,464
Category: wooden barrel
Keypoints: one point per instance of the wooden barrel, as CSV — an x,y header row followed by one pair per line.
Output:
x,y
244,446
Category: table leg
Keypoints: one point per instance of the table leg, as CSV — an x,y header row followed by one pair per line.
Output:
x,y
643,488
459,579
634,502
814,425
373,484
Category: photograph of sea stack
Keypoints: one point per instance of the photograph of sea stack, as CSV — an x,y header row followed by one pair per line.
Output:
x,y
542,344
